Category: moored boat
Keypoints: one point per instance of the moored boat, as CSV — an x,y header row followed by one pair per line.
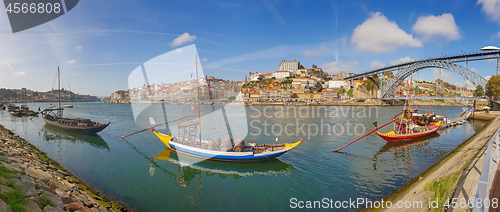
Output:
x,y
212,151
54,116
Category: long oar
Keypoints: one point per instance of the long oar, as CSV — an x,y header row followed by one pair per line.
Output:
x,y
393,119
363,136
154,126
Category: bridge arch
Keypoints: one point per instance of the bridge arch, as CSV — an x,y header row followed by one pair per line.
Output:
x,y
390,86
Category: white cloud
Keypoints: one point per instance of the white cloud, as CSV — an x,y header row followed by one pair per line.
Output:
x,y
440,74
491,8
20,73
466,84
204,59
430,27
182,39
78,48
336,66
487,77
496,35
473,69
402,60
378,35
377,64
73,61
317,52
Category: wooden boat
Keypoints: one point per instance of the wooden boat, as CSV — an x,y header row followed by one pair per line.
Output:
x,y
250,152
416,132
54,116
241,150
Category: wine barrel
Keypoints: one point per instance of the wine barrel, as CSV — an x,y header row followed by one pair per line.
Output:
x,y
214,144
226,145
239,146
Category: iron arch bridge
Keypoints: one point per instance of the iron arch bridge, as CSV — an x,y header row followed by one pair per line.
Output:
x,y
446,62
390,87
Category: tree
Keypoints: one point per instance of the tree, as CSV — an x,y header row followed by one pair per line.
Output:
x,y
300,66
479,91
314,66
493,87
389,73
231,98
260,78
273,78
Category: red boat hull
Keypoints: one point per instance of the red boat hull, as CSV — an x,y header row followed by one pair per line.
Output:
x,y
403,137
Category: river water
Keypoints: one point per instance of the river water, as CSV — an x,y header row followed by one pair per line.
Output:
x,y
141,172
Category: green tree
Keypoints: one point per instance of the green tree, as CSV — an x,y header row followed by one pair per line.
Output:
x,y
389,73
314,66
479,91
231,98
493,87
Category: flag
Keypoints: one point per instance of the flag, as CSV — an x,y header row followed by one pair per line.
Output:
x,y
193,108
375,124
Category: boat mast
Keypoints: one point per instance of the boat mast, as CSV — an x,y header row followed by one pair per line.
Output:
x,y
59,89
198,91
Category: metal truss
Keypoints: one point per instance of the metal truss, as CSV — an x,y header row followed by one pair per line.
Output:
x,y
424,98
391,85
450,59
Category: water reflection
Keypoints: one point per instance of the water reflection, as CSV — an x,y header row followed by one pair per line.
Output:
x,y
50,133
189,167
401,146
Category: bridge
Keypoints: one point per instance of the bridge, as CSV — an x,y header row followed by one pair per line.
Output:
x,y
447,62
426,98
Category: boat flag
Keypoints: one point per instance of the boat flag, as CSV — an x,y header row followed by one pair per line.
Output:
x,y
375,124
193,108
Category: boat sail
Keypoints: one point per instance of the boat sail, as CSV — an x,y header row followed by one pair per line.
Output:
x,y
54,116
215,132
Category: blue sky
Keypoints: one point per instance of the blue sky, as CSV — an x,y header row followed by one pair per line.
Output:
x,y
99,43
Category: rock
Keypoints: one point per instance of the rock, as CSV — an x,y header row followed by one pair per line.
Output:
x,y
56,199
55,184
12,167
4,189
42,186
52,209
95,210
68,184
4,207
82,198
64,195
27,185
75,200
36,173
76,207
37,200
32,206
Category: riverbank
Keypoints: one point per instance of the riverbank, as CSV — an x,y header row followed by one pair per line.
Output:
x,y
30,181
442,179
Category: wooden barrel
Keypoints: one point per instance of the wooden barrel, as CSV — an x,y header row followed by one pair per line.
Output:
x,y
226,145
214,144
239,146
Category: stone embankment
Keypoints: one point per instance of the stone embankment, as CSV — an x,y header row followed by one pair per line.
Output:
x,y
30,181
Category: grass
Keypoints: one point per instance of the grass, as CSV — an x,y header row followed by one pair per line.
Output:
x,y
440,190
46,201
6,173
15,199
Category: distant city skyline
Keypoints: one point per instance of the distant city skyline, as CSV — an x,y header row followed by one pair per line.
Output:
x,y
99,43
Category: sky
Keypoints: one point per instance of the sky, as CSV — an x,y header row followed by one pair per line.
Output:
x,y
99,43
